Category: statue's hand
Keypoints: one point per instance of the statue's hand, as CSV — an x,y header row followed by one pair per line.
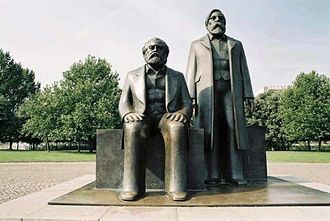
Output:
x,y
133,117
249,102
176,117
194,103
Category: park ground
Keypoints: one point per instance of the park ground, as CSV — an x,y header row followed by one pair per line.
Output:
x,y
7,156
24,172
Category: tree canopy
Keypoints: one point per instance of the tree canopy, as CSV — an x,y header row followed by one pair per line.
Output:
x,y
17,85
298,113
85,100
267,113
305,107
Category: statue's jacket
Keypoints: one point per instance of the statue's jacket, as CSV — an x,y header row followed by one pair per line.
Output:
x,y
133,97
199,77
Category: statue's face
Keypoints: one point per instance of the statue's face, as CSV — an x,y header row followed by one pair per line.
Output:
x,y
154,53
217,23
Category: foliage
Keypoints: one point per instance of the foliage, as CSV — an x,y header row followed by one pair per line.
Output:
x,y
85,100
17,85
90,95
266,113
305,107
42,114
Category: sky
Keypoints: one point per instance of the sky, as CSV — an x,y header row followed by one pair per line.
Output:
x,y
281,38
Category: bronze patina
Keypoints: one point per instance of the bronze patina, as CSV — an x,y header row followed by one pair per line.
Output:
x,y
155,99
219,83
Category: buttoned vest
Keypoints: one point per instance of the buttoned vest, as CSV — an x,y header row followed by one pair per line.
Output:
x,y
220,59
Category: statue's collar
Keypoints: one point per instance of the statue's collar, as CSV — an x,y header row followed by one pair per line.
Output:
x,y
212,37
205,40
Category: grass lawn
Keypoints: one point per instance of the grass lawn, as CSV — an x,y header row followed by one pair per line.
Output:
x,y
67,156
44,156
298,157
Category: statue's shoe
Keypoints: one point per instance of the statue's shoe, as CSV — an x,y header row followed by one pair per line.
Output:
x,y
212,182
178,196
129,195
238,182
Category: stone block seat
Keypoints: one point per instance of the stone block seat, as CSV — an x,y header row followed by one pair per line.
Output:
x,y
110,159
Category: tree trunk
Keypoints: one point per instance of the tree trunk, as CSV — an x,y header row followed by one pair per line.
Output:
x,y
10,145
47,144
90,146
320,142
92,143
78,146
17,145
309,145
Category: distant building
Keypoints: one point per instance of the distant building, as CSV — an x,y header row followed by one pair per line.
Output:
x,y
268,88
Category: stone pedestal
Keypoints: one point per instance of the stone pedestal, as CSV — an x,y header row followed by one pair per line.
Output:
x,y
254,159
110,159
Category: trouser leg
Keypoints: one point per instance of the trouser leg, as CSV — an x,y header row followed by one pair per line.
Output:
x,y
212,155
175,142
216,156
134,162
229,157
233,154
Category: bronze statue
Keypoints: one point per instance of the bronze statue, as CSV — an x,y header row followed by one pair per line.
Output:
x,y
155,98
219,83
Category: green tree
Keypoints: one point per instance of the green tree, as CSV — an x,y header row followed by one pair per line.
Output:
x,y
305,108
266,113
91,95
86,99
42,114
17,85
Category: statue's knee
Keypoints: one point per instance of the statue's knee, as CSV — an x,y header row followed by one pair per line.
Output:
x,y
133,127
175,125
137,129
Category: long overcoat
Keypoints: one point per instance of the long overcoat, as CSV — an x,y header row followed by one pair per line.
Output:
x,y
199,77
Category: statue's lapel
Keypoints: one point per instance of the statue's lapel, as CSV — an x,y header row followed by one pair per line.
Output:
x,y
140,83
205,41
171,85
231,43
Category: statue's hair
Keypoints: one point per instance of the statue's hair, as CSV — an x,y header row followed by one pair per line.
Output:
x,y
167,50
209,15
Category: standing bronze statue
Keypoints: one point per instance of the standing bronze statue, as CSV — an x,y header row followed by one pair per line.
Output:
x,y
155,98
219,83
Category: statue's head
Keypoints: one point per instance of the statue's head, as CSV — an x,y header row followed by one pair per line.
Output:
x,y
155,52
216,23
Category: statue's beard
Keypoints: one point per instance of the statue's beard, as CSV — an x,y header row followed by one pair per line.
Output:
x,y
156,59
217,28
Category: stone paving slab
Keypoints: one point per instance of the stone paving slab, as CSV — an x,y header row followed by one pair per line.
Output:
x,y
254,213
34,207
140,214
68,213
24,206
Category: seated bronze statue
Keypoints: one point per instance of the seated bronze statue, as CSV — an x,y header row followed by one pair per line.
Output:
x,y
155,99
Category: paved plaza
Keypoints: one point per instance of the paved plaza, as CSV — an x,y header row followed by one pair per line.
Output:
x,y
34,207
35,184
20,179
